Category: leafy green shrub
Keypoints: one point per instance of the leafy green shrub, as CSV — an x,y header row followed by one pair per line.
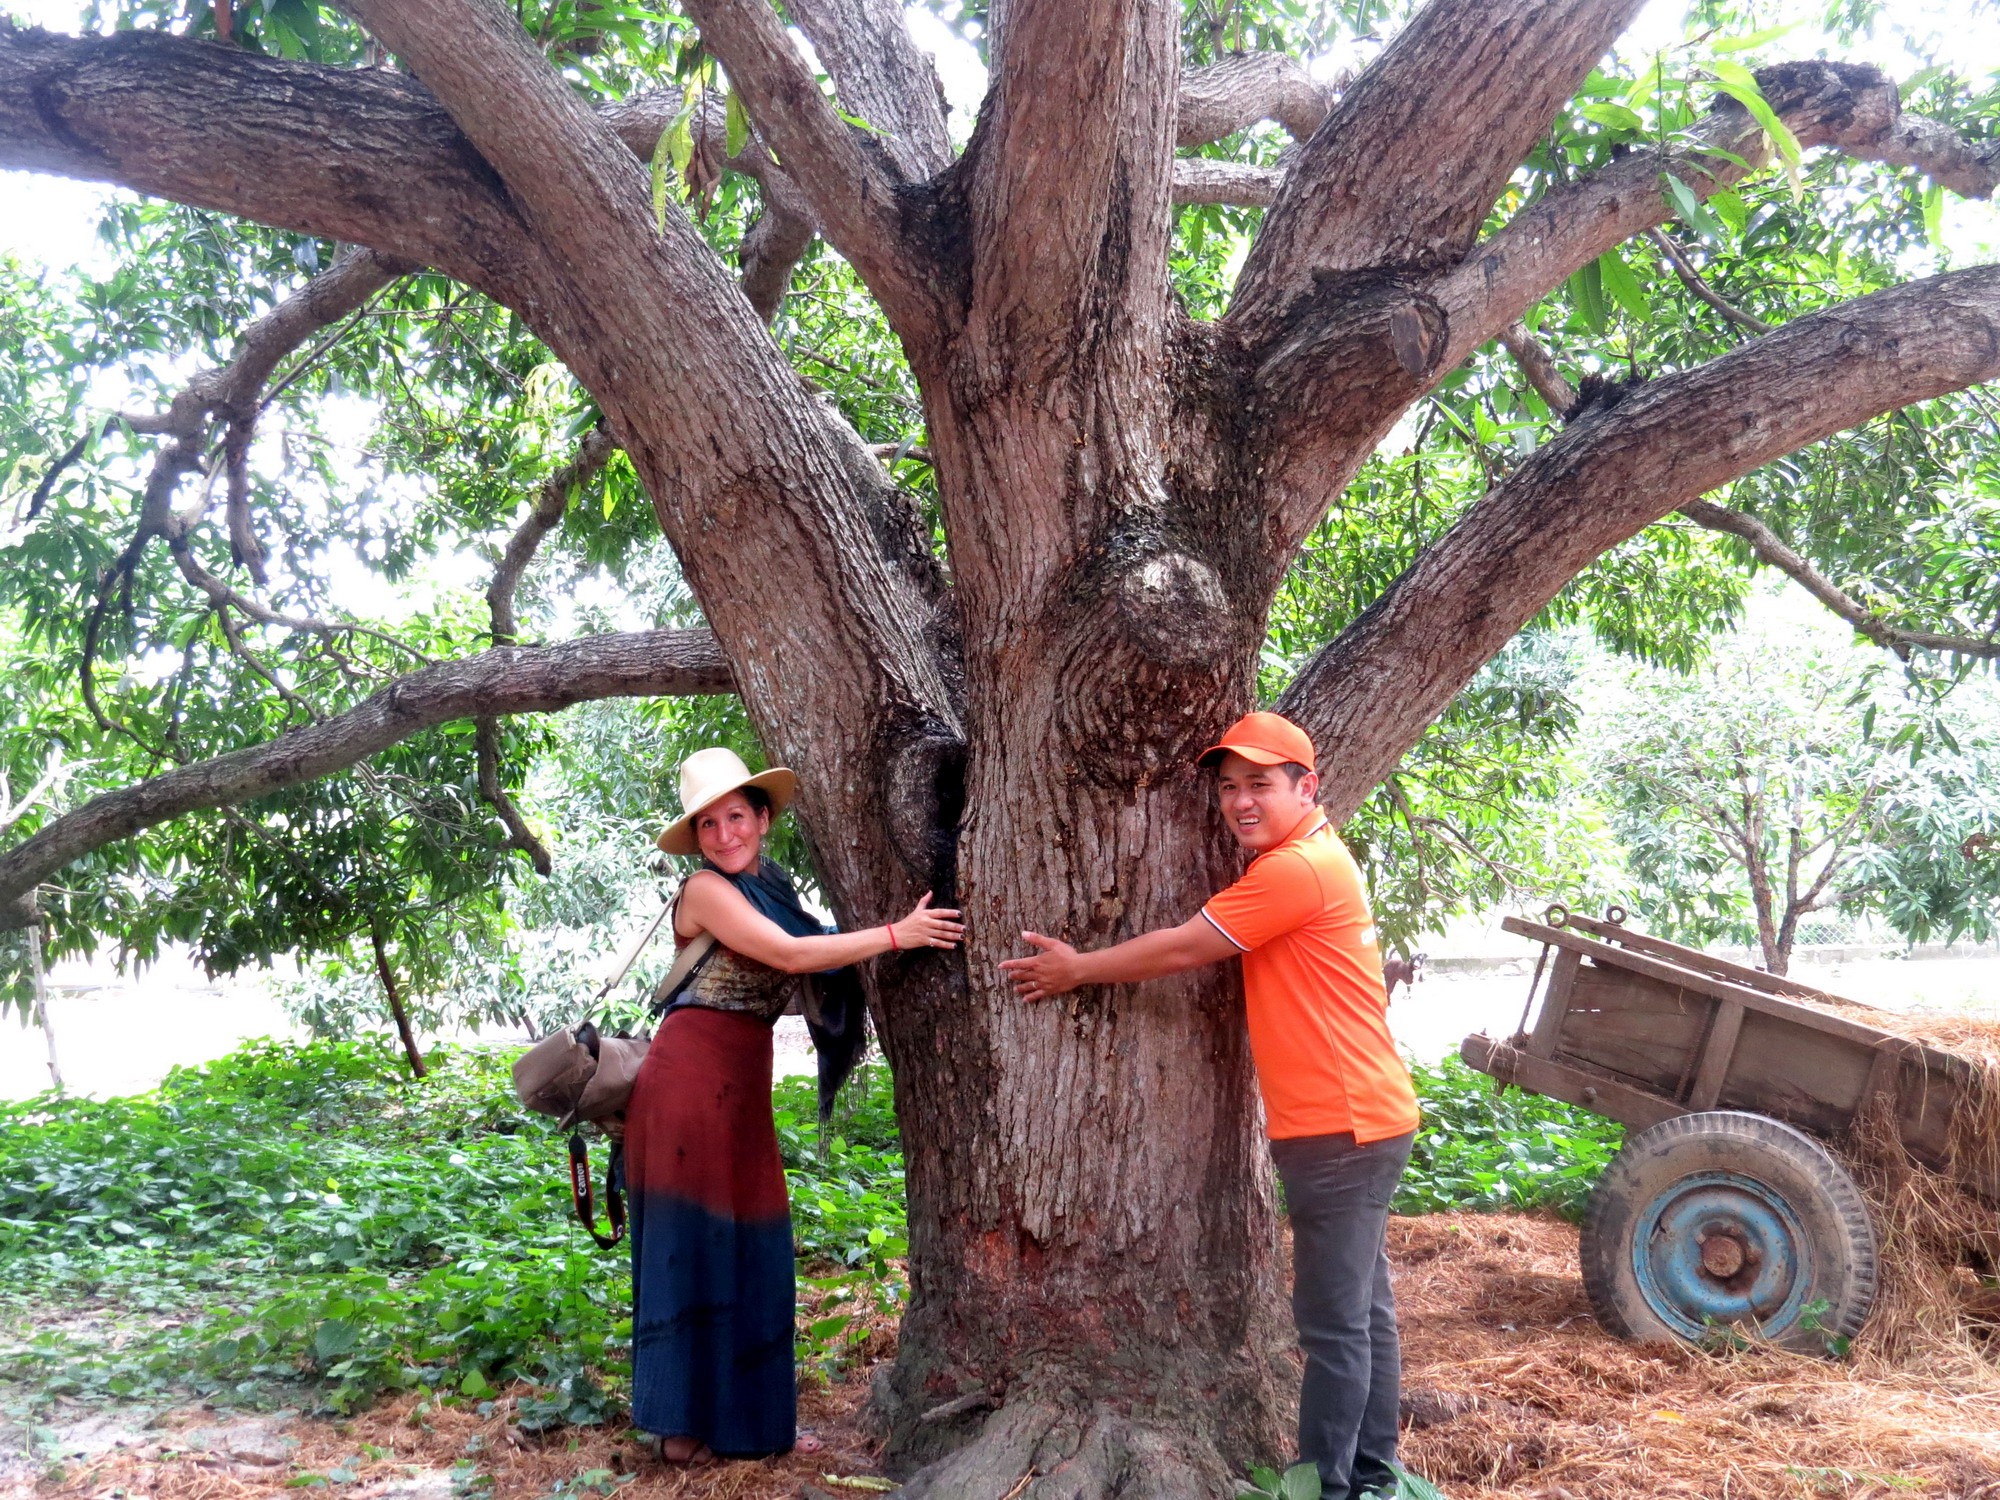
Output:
x,y
310,1213
1482,1147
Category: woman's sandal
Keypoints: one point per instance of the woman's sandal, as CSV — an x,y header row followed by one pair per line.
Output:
x,y
682,1452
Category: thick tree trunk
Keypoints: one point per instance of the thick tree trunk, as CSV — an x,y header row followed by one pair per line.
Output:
x,y
1095,1284
1096,1300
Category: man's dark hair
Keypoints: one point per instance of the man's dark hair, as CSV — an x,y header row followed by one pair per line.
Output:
x,y
1294,771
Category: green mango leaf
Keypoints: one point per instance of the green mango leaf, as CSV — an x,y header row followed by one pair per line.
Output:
x,y
1741,85
1731,209
1616,116
671,155
737,127
1623,285
1934,214
1587,288
1691,210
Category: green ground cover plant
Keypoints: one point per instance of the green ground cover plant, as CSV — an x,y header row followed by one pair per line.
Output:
x,y
306,1223
1493,1149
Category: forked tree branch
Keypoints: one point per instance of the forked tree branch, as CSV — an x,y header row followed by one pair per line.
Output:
x,y
1695,282
364,156
507,680
1847,107
1374,687
851,189
1356,355
1406,167
1768,547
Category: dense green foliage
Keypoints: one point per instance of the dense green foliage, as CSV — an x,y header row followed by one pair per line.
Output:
x,y
307,1220
310,1213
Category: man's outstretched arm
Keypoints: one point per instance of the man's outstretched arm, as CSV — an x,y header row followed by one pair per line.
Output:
x,y
1059,968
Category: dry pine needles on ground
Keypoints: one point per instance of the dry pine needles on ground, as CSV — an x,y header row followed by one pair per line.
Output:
x,y
1512,1389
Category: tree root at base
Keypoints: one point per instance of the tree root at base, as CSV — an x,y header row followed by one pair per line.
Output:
x,y
1043,1451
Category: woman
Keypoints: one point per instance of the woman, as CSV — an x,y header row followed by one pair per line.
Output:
x,y
710,1224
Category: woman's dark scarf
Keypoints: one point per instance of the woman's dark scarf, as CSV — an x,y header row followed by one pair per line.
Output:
x,y
836,1011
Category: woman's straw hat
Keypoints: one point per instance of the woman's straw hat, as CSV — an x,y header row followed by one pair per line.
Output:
x,y
710,774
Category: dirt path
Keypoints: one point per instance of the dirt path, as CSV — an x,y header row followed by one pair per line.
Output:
x,y
1511,1390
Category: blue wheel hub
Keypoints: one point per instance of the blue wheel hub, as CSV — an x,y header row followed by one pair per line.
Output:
x,y
1721,1249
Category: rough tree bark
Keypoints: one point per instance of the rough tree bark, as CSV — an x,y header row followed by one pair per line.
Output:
x,y
1096,1305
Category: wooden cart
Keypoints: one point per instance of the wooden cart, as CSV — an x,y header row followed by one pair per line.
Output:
x,y
1723,1208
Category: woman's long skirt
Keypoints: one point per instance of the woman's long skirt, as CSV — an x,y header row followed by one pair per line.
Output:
x,y
711,1230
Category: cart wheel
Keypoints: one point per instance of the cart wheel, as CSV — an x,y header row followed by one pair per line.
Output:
x,y
1724,1219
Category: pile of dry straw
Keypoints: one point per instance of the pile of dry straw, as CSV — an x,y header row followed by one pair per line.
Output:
x,y
1513,1390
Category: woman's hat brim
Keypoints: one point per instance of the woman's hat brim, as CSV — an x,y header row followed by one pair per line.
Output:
x,y
778,783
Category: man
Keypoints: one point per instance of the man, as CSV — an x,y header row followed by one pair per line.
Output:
x,y
1337,1099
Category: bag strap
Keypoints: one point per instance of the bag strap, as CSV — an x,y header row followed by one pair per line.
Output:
x,y
579,1190
684,961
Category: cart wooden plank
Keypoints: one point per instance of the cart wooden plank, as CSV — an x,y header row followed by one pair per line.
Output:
x,y
1678,975
1642,1029
1621,1102
1719,968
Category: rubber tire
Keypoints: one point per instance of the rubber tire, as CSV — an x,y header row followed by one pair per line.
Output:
x,y
1789,1163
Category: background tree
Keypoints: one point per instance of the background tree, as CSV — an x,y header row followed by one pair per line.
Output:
x,y
987,575
1780,779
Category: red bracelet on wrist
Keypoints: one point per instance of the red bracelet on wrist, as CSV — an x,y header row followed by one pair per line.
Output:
x,y
890,928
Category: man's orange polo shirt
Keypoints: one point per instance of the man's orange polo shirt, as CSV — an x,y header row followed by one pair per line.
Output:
x,y
1312,983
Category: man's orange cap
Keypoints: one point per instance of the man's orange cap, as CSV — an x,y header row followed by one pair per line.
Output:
x,y
1267,739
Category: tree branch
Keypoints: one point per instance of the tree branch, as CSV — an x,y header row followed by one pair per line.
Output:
x,y
866,48
1766,546
551,501
1540,367
1239,184
1850,108
364,156
851,188
1693,281
506,680
1373,688
1072,168
1351,356
1406,167
1245,88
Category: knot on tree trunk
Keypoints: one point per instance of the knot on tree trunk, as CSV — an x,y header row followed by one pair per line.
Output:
x,y
1174,608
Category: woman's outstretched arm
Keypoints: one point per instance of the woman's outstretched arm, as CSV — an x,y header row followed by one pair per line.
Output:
x,y
711,904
